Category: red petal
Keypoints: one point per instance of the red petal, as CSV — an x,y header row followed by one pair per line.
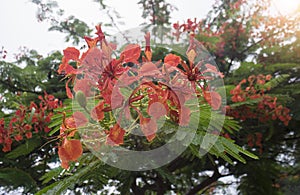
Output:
x,y
68,90
157,110
172,60
100,33
117,99
91,42
149,127
116,135
97,112
213,98
80,119
131,53
213,69
92,60
84,86
148,51
71,53
184,116
149,69
65,68
70,150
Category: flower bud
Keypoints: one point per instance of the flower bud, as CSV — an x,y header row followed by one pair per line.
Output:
x,y
80,98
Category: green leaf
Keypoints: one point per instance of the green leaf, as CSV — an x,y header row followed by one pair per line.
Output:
x,y
276,81
61,186
220,146
247,153
247,102
51,175
282,66
46,189
25,148
17,178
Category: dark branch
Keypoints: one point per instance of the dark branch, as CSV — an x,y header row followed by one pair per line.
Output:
x,y
16,89
216,175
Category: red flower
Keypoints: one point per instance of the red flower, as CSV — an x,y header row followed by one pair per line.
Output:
x,y
100,33
149,127
149,69
83,85
97,112
109,78
156,109
71,53
28,135
27,127
172,59
213,98
92,64
115,136
7,144
69,150
131,53
195,75
91,42
18,137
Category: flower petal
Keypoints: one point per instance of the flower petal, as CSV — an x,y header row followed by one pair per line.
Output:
x,y
71,53
131,53
149,127
172,59
97,112
116,135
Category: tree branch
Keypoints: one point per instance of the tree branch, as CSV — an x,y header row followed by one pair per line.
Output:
x,y
16,89
205,183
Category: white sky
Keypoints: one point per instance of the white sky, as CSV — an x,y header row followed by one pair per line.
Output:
x,y
19,26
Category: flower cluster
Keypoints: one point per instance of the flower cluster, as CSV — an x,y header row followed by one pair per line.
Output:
x,y
132,84
28,120
267,107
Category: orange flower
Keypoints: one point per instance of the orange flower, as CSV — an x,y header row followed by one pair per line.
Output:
x,y
213,98
172,60
149,127
69,150
97,112
131,53
115,136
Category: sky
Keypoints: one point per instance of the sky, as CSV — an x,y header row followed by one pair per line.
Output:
x,y
19,25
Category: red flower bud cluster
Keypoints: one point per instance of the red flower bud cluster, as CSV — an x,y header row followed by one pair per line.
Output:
x,y
28,120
